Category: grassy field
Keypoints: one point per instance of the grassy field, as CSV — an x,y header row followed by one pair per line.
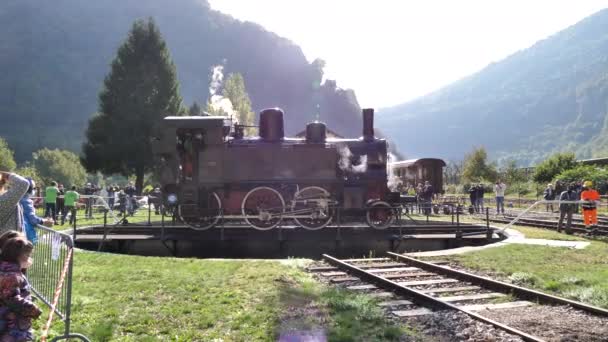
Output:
x,y
132,298
580,274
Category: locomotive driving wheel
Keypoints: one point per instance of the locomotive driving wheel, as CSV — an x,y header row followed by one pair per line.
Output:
x,y
311,206
201,217
380,215
263,208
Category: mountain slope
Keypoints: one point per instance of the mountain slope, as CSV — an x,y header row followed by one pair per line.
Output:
x,y
552,96
55,54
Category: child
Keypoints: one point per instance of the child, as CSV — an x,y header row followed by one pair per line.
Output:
x,y
7,235
30,219
17,309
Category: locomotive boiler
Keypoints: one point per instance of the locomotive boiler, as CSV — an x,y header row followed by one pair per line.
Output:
x,y
210,171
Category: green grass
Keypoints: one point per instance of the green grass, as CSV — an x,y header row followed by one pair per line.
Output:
x,y
132,298
580,274
539,233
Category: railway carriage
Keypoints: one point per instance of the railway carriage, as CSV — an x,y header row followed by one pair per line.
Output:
x,y
210,171
414,171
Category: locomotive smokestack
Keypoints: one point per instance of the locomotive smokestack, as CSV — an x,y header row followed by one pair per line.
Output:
x,y
368,124
271,124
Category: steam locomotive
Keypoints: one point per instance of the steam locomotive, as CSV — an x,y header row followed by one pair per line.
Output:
x,y
211,171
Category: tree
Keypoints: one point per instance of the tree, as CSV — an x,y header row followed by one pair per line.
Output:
x,y
235,91
452,172
476,167
7,162
554,165
139,91
195,109
29,171
598,175
511,174
60,166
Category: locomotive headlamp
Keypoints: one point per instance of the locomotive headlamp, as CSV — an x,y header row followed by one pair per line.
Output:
x,y
172,198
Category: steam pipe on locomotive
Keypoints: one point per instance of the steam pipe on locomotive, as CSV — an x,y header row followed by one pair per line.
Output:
x,y
211,171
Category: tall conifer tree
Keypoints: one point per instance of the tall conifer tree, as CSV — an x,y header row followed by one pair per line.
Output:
x,y
139,91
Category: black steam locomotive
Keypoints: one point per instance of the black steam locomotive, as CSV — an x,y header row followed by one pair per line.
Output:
x,y
210,172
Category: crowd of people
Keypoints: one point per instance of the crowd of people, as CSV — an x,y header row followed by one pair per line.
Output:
x,y
477,192
424,194
61,205
577,193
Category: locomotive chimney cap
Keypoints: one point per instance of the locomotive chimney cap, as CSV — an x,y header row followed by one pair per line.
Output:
x,y
271,124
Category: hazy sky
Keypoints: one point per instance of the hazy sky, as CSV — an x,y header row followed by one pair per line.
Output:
x,y
390,51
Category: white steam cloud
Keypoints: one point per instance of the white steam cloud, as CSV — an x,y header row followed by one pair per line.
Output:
x,y
393,182
348,163
218,102
217,77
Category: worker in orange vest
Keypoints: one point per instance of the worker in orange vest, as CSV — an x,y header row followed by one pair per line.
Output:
x,y
590,196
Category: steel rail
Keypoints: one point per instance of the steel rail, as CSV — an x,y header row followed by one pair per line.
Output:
x,y
423,299
499,286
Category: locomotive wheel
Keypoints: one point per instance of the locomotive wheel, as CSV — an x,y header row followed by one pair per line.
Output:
x,y
313,201
266,205
207,217
380,215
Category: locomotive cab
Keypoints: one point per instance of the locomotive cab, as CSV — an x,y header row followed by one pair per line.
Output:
x,y
185,143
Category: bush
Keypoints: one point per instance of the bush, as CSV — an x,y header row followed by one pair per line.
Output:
x,y
7,162
553,166
598,176
60,166
454,189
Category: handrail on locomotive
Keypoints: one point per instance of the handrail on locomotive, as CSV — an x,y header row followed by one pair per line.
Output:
x,y
209,170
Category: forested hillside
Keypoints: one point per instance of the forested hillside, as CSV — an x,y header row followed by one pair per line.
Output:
x,y
54,56
550,97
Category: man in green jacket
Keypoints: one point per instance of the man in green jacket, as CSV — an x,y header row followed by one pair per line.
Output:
x,y
50,199
71,197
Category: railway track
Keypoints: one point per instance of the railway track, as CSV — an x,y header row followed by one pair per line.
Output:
x,y
409,288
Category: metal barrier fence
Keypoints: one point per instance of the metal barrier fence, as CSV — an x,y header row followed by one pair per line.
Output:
x,y
50,277
513,202
530,213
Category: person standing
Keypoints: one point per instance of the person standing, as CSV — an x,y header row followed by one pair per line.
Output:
x,y
89,190
111,193
50,199
71,198
30,219
480,192
473,197
12,189
590,197
567,206
499,191
427,196
155,198
549,195
61,201
131,191
122,202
